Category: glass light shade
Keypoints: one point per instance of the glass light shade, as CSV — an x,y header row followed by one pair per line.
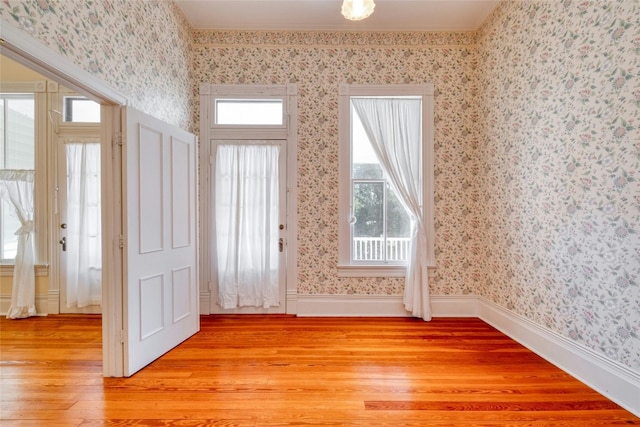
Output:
x,y
355,10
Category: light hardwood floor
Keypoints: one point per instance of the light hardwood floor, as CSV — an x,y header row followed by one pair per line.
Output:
x,y
287,371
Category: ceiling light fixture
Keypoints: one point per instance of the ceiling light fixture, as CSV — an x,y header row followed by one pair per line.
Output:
x,y
355,10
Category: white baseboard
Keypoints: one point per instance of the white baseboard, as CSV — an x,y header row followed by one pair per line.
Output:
x,y
292,301
381,306
42,304
205,302
616,382
53,301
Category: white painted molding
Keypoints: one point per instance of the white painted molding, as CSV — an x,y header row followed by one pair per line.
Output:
x,y
205,302
23,47
41,270
42,304
381,306
54,301
616,382
292,301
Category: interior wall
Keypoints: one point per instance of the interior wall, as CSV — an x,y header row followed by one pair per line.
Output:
x,y
559,161
140,48
318,63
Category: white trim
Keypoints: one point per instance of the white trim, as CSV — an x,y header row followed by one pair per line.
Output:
x,y
381,306
6,270
616,382
53,298
42,304
22,47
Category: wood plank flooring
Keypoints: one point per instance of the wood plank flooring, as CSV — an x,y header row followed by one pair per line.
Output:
x,y
285,371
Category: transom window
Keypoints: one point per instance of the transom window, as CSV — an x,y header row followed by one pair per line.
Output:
x,y
249,111
79,109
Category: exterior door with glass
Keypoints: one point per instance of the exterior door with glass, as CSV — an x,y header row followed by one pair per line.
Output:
x,y
249,218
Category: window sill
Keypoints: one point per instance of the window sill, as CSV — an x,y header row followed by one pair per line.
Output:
x,y
376,271
6,270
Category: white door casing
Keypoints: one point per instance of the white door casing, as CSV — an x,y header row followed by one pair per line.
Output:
x,y
160,273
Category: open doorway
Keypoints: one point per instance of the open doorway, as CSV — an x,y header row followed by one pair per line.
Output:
x,y
148,306
52,134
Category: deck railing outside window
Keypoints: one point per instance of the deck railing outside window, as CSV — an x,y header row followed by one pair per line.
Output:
x,y
373,249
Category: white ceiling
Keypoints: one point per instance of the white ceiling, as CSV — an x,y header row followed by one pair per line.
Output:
x,y
324,15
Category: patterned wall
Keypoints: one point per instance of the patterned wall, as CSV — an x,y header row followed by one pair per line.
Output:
x,y
537,140
318,63
140,48
559,169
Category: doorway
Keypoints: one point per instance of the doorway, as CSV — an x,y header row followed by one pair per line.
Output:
x,y
252,270
76,221
249,212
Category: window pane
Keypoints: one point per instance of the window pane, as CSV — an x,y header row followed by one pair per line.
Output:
x,y
78,109
10,224
365,164
18,132
368,230
249,112
17,145
398,228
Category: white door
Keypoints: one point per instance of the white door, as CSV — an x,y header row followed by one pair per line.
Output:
x,y
79,224
160,289
248,279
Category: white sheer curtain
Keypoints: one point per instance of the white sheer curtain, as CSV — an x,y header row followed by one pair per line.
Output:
x,y
84,240
17,187
246,211
394,129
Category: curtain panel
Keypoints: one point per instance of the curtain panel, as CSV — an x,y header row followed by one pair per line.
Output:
x,y
395,132
17,187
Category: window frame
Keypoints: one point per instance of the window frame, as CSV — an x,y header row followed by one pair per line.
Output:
x,y
249,92
346,266
39,90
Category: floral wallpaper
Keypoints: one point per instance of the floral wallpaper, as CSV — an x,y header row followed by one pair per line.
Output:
x,y
558,162
140,48
318,63
537,141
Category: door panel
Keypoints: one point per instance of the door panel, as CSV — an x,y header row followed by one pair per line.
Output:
x,y
160,289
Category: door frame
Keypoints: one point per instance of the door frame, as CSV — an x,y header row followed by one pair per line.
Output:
x,y
22,48
289,133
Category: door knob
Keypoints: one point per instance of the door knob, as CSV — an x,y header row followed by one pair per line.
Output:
x,y
63,225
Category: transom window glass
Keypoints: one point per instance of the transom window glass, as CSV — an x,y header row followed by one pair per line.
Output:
x,y
78,109
17,142
249,111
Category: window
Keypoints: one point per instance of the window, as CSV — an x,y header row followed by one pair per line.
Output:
x,y
17,142
375,227
78,109
249,111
